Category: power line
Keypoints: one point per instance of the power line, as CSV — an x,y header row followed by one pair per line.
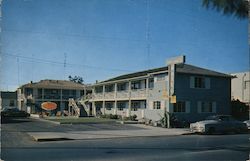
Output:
x,y
75,35
43,61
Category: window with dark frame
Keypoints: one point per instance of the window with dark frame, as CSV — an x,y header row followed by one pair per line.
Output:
x,y
157,105
109,88
121,87
199,82
206,107
135,105
180,106
98,89
121,106
135,85
109,105
151,83
28,91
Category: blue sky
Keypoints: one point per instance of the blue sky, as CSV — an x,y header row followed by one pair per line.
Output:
x,y
100,39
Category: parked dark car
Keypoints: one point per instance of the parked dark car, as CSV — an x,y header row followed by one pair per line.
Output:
x,y
218,124
13,112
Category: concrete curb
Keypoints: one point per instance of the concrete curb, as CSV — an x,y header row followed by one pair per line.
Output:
x,y
85,135
70,123
128,122
44,120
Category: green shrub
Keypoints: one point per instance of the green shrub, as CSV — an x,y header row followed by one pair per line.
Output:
x,y
113,116
109,116
132,118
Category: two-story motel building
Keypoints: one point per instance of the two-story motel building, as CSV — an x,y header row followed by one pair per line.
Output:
x,y
57,91
191,93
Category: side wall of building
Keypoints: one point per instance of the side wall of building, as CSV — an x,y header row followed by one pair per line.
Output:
x,y
241,87
217,91
8,100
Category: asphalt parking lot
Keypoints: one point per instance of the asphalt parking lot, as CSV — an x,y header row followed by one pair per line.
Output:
x,y
17,145
42,130
35,125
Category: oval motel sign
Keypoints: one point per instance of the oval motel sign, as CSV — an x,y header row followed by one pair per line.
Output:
x,y
48,106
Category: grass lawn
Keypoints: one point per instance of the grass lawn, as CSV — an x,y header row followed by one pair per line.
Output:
x,y
69,120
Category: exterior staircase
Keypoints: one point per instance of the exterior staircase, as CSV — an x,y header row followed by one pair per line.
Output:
x,y
75,109
80,107
84,102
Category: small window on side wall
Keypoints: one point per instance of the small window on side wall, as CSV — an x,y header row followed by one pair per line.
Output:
x,y
157,105
180,106
199,82
206,107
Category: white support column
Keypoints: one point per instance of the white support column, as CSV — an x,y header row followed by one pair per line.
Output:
x,y
103,91
103,95
103,107
61,100
93,93
19,99
129,89
115,107
115,103
129,101
115,91
93,108
147,85
84,92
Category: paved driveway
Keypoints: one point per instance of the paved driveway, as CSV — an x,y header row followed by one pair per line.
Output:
x,y
44,131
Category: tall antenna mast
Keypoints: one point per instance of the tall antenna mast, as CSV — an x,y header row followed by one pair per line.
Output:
x,y
64,65
148,34
32,72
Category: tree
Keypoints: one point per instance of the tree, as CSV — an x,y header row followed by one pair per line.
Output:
x,y
239,110
238,8
76,79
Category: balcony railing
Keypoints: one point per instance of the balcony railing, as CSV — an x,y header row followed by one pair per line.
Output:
x,y
139,93
122,94
109,95
98,96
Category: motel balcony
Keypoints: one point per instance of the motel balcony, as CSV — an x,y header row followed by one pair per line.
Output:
x,y
123,95
138,94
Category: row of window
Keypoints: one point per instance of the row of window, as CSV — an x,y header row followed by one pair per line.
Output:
x,y
40,91
181,106
124,86
135,105
195,82
202,107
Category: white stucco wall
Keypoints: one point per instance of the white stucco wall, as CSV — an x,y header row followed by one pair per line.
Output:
x,y
241,86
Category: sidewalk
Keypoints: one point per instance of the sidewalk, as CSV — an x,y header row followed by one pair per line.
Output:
x,y
107,134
